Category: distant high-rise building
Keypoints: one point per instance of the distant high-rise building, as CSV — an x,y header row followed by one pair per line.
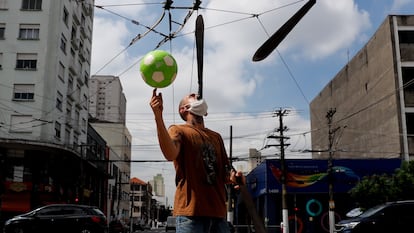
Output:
x,y
255,158
107,102
107,108
158,185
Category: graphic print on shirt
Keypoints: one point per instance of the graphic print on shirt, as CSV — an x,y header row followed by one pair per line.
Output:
x,y
210,162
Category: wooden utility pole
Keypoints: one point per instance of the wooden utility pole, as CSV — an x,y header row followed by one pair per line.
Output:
x,y
331,133
285,214
230,214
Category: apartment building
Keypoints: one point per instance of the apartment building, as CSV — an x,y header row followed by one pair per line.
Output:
x,y
45,53
141,195
370,102
107,108
107,101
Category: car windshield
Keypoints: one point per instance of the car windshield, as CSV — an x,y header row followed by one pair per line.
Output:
x,y
371,211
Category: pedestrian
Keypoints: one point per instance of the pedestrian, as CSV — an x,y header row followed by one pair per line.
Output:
x,y
201,165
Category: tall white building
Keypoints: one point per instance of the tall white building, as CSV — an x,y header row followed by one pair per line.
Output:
x,y
107,110
45,52
158,185
107,102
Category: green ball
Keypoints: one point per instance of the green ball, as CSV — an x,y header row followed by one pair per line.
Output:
x,y
158,68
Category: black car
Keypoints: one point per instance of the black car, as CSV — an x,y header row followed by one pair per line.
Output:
x,y
395,217
59,218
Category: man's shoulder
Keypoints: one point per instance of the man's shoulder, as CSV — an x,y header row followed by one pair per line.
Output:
x,y
174,126
179,128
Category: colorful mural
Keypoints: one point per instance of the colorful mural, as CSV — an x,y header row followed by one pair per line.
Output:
x,y
300,181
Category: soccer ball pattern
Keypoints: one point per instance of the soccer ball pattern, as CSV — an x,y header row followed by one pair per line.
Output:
x,y
158,68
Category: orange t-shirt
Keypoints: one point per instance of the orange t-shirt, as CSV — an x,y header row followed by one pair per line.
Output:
x,y
194,195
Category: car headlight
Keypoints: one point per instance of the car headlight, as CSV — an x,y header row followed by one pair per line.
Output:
x,y
348,225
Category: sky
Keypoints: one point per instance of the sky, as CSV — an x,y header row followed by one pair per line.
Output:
x,y
242,95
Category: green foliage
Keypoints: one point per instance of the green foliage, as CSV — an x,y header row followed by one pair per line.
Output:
x,y
377,189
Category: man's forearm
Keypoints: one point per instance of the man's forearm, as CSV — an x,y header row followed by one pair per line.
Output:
x,y
169,147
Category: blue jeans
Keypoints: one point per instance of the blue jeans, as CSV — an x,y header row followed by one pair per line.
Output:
x,y
186,224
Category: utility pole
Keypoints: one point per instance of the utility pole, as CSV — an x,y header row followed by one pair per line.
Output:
x,y
285,213
329,116
230,214
131,222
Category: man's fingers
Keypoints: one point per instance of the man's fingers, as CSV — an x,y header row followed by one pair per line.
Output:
x,y
154,92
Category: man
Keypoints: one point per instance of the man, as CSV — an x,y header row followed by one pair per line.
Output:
x,y
201,164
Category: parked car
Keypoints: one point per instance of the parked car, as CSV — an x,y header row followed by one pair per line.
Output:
x,y
170,223
59,218
395,217
118,226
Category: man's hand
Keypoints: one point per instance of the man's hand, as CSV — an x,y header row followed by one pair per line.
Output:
x,y
156,103
237,178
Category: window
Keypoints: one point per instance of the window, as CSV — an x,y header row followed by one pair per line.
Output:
x,y
50,211
83,123
406,37
59,101
65,16
69,112
73,34
32,5
85,101
63,42
58,127
29,31
2,29
86,78
26,61
23,92
70,84
61,71
75,139
21,123
67,136
77,114
3,4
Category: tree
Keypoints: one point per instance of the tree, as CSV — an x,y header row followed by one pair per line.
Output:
x,y
404,181
377,189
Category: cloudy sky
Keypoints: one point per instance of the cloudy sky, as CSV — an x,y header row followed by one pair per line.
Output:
x,y
241,94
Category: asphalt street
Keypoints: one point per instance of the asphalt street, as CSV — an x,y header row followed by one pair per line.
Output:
x,y
158,230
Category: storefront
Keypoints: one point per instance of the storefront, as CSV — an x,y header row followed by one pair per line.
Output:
x,y
33,177
307,190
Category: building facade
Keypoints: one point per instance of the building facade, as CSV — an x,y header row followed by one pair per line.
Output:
x,y
158,186
107,102
107,110
370,100
141,195
45,53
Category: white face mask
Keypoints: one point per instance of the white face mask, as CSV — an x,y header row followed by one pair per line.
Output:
x,y
198,107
